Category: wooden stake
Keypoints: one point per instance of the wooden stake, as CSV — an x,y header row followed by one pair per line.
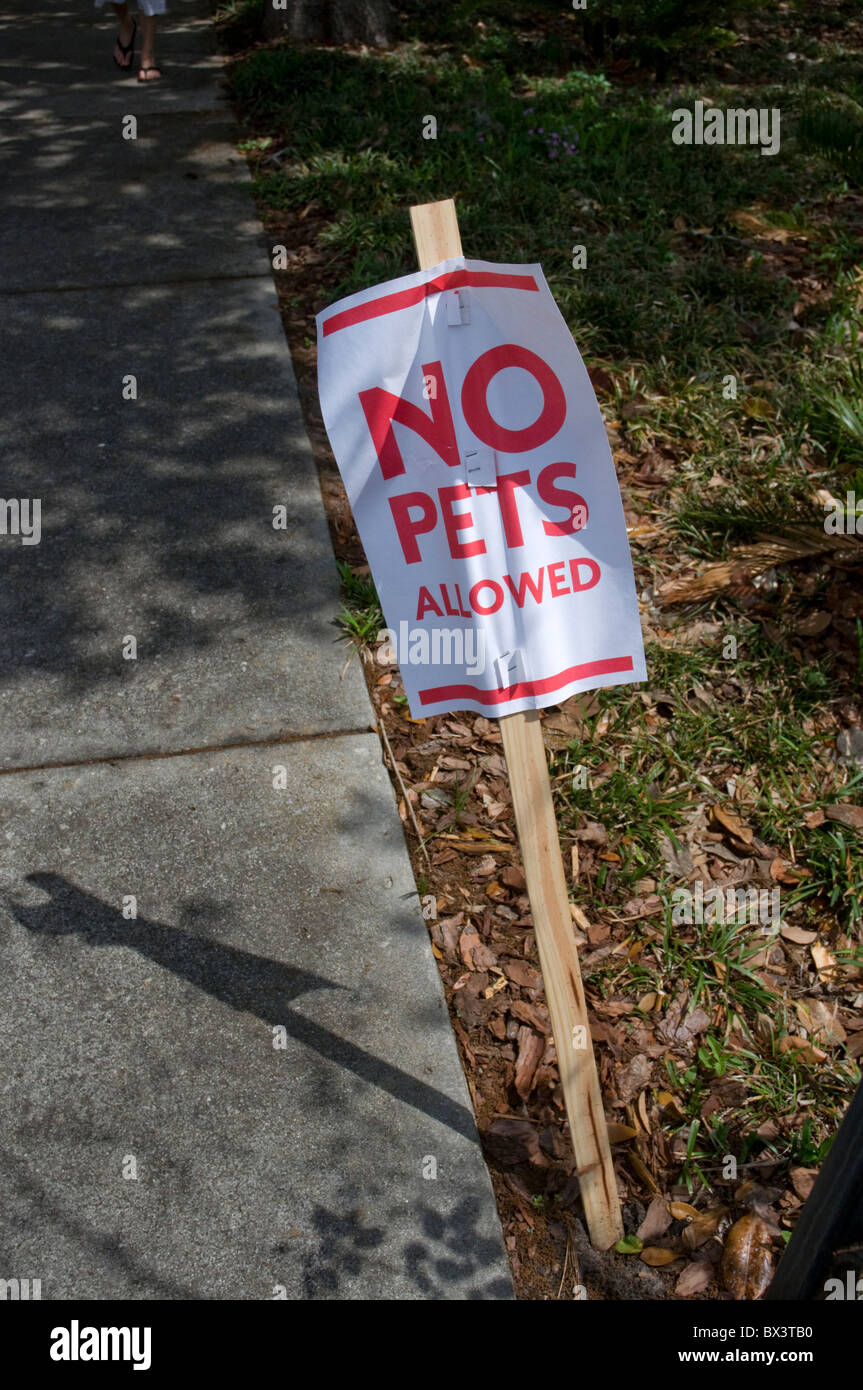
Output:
x,y
436,237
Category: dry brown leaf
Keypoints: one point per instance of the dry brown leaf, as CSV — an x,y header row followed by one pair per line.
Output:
x,y
478,846
614,1008
755,226
471,988
758,408
566,726
814,623
846,814
531,1046
656,1256
783,872
620,1134
797,935
806,1051
758,1197
597,932
820,1022
593,833
803,1180
825,963
695,1278
511,1141
703,1227
656,1221
642,1112
450,931
472,840
475,953
672,1107
601,380
675,1029
747,1264
729,820
682,1211
582,707
634,1077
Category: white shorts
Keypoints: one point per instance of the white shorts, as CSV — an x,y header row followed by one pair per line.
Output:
x,y
144,6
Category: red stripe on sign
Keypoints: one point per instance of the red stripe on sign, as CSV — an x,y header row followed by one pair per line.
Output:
x,y
454,280
516,692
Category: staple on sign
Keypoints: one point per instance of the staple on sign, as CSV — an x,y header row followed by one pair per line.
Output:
x,y
457,307
510,669
480,468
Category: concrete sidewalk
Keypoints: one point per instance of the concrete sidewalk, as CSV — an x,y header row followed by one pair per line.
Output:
x,y
229,1069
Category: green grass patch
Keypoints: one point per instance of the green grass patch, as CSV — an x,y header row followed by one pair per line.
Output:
x,y
704,264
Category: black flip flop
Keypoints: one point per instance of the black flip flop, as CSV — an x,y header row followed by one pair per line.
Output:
x,y
151,67
126,48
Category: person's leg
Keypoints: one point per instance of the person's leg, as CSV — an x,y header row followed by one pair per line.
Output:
x,y
148,48
123,58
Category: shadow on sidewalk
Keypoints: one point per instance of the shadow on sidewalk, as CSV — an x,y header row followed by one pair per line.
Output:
x,y
109,1247
244,981
454,1254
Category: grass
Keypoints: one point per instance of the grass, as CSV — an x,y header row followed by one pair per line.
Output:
x,y
360,618
496,151
663,775
540,163
703,265
667,763
837,132
837,420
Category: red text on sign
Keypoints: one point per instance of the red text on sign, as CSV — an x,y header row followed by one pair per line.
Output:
x,y
415,513
382,409
487,595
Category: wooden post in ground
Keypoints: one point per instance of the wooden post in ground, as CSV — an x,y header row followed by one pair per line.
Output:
x,y
436,236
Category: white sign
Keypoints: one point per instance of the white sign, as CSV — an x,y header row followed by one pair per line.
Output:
x,y
477,466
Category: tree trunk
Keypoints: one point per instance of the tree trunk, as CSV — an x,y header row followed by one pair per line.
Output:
x,y
331,21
